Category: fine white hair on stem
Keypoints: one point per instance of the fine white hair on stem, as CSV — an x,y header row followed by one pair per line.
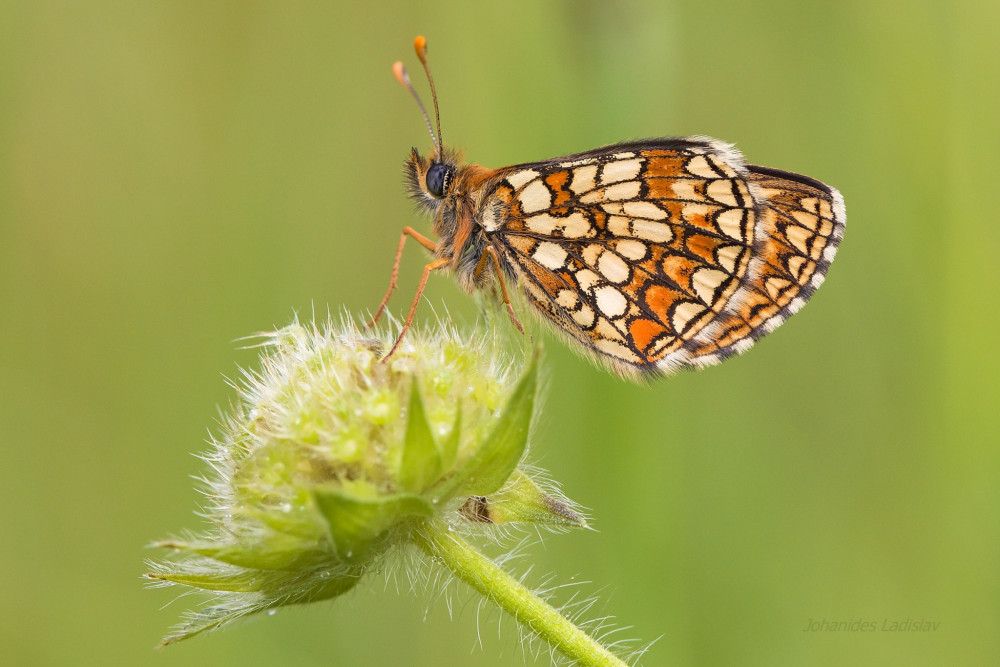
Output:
x,y
578,604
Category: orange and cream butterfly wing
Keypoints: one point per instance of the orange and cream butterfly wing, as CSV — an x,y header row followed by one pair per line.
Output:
x,y
637,250
800,227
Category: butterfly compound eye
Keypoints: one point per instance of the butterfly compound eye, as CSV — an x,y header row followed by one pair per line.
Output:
x,y
438,178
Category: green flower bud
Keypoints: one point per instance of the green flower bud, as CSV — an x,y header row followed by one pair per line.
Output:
x,y
332,457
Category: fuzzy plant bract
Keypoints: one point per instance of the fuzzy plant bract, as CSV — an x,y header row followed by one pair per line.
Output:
x,y
332,457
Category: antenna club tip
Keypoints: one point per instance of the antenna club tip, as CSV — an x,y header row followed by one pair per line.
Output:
x,y
399,71
420,46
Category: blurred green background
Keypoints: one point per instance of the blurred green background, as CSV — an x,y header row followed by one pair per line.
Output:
x,y
175,175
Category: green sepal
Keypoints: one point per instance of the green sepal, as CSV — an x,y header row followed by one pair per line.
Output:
x,y
357,524
421,462
242,582
499,453
332,587
322,588
278,551
449,448
295,525
521,501
199,622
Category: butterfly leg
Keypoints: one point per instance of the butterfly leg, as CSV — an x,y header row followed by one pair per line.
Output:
x,y
489,251
436,264
422,240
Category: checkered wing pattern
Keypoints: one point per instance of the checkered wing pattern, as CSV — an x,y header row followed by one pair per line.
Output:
x,y
801,223
663,254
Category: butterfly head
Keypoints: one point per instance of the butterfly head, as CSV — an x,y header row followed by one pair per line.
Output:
x,y
430,179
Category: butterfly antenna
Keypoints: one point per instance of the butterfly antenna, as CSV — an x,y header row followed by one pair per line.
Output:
x,y
404,79
420,46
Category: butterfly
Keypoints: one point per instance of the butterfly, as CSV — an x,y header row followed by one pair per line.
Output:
x,y
651,255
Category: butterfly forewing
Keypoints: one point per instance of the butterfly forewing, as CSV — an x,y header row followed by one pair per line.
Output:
x,y
641,251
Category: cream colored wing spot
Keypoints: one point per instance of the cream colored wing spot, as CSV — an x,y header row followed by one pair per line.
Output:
x,y
577,163
613,268
728,256
700,166
584,316
632,249
573,226
610,301
543,224
550,255
799,238
643,209
730,222
693,213
619,226
583,179
620,191
613,208
567,299
535,197
519,178
706,281
577,226
684,312
623,156
592,253
825,209
723,191
795,265
682,189
811,204
616,350
622,170
647,230
807,220
767,193
586,279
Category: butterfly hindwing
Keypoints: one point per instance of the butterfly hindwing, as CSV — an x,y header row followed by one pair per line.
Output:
x,y
801,224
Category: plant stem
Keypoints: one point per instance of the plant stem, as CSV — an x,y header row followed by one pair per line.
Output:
x,y
525,606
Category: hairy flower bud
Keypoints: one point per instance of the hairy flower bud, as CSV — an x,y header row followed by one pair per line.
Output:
x,y
332,457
